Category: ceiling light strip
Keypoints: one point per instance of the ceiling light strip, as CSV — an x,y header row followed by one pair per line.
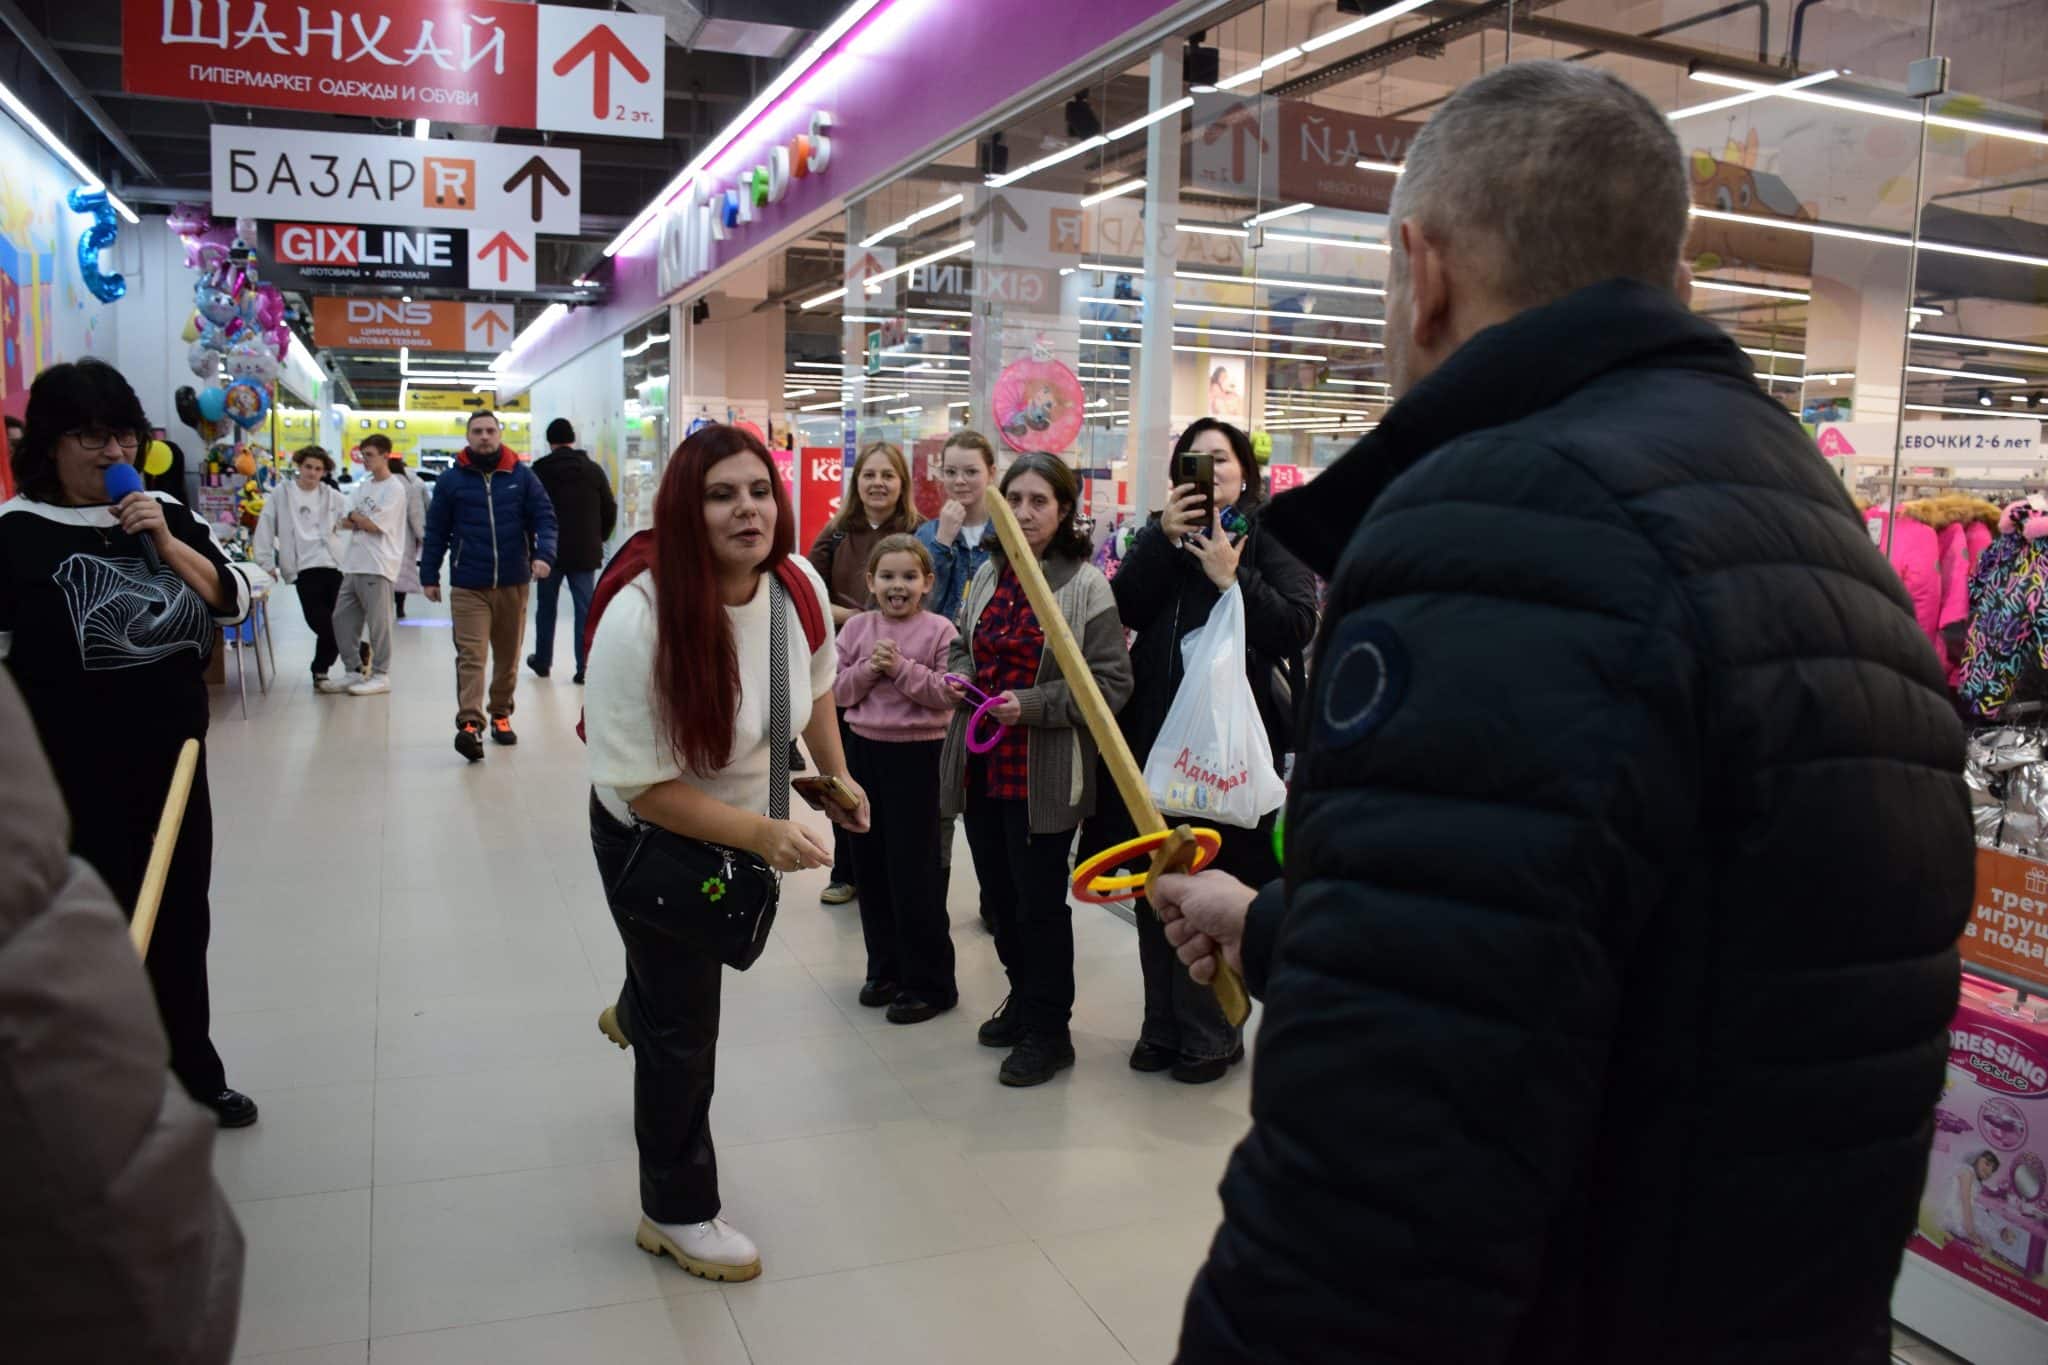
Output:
x,y
41,131
1114,192
1903,115
1881,238
918,217
1756,93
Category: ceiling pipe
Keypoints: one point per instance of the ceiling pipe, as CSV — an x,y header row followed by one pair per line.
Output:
x,y
39,47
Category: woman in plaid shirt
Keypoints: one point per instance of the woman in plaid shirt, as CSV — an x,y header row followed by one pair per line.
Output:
x,y
1023,799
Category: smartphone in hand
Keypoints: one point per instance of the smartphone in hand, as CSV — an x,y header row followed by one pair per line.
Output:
x,y
825,793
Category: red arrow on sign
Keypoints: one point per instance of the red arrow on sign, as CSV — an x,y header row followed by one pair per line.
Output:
x,y
602,47
506,249
489,324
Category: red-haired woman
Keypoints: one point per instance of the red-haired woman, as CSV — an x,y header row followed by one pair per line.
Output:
x,y
676,716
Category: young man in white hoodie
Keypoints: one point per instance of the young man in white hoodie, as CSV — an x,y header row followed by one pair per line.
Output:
x,y
369,566
296,541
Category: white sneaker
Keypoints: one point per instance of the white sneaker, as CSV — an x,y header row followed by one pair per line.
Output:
x,y
370,687
323,683
712,1251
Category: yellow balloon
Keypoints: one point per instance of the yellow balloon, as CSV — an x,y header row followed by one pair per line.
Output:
x,y
158,460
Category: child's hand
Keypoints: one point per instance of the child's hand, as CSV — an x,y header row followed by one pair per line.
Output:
x,y
955,690
883,661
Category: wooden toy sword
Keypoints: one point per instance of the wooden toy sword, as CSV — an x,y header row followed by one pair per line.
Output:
x,y
1177,853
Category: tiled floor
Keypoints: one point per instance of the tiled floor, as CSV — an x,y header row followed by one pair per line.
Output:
x,y
409,956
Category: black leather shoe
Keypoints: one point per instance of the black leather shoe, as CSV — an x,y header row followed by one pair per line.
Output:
x,y
1036,1060
875,994
578,679
540,670
232,1108
1003,1028
469,744
915,1009
1150,1057
1207,1070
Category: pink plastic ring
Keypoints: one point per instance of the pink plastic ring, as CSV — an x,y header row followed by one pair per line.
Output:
x,y
976,744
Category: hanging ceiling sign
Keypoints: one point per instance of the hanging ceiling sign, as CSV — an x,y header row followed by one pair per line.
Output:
x,y
461,400
327,255
357,178
453,61
424,324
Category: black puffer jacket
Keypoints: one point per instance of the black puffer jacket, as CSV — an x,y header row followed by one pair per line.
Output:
x,y
1607,993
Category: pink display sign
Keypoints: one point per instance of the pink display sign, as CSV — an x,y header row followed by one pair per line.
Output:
x,y
894,89
1984,1211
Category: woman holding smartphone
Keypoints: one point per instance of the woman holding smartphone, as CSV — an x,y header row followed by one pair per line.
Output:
x,y
677,719
1178,566
1024,797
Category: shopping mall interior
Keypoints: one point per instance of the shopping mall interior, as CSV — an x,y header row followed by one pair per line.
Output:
x,y
1074,226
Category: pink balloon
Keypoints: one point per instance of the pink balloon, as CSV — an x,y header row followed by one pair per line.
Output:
x,y
189,220
270,307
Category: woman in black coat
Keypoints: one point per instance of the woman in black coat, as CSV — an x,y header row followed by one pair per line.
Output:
x,y
1177,568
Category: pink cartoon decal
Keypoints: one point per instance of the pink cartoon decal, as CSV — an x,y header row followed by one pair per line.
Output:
x,y
1038,403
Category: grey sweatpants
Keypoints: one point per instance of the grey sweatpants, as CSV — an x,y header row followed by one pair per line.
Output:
x,y
364,613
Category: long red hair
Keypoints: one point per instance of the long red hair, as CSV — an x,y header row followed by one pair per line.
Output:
x,y
696,665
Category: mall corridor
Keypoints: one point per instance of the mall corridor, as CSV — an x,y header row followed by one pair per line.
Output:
x,y
409,955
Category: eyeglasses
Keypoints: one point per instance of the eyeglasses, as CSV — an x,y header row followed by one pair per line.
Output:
x,y
96,441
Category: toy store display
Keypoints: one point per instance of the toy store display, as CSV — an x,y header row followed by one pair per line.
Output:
x,y
1984,1210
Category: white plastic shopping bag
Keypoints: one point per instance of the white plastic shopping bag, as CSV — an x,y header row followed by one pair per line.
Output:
x,y
1211,760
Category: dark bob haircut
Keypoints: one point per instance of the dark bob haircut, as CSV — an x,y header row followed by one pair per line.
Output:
x,y
86,395
1240,446
1067,542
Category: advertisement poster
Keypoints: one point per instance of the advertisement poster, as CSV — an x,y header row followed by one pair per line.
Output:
x,y
1224,380
314,256
486,62
818,492
2008,928
1984,1211
428,324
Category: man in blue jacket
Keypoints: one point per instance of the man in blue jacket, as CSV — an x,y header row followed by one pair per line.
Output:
x,y
1627,842
495,517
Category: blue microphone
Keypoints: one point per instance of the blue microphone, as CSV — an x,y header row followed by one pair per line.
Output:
x,y
122,479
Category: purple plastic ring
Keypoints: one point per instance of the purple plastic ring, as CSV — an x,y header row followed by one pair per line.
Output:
x,y
976,745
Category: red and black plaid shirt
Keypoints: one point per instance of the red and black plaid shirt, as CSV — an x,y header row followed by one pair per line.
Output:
x,y
1008,646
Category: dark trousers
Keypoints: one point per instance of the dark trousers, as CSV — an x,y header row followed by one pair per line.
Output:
x,y
1180,1015
319,589
668,1008
845,864
902,909
548,597
1024,877
113,823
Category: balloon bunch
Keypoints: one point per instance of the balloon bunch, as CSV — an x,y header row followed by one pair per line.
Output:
x,y
95,239
238,321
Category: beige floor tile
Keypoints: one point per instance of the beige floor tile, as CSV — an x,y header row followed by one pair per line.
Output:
x,y
271,1049
1002,1305
311,1139
306,1281
693,1330
1136,1278
515,1118
449,1035
342,1353
455,1253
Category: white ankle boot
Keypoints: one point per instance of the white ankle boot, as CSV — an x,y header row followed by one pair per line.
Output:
x,y
713,1251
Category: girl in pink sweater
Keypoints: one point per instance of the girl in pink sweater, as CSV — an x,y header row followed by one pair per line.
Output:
x,y
891,685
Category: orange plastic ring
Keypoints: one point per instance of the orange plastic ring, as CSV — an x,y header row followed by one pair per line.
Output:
x,y
1094,888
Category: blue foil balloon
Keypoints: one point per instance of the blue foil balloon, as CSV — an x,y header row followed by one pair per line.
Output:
x,y
95,239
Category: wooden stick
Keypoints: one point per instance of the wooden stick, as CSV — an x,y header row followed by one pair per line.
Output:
x,y
143,923
1116,753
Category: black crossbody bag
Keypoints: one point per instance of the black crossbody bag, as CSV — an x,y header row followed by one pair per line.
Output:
x,y
718,901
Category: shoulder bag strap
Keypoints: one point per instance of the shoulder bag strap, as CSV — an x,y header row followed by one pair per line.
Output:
x,y
778,700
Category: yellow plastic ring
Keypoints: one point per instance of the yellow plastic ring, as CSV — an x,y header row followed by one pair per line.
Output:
x,y
1094,888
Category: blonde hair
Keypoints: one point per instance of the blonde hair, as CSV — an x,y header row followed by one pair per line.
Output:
x,y
905,517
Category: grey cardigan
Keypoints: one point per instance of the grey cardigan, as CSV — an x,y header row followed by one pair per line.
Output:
x,y
1061,763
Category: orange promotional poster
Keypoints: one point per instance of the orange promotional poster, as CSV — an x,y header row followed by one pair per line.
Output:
x,y
2008,929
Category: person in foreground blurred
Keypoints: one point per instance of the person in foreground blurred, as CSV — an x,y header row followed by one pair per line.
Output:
x,y
1179,566
1627,819
116,1242
108,613
492,515
678,724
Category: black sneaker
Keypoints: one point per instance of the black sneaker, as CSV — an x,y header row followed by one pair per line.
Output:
x,y
1036,1060
232,1108
501,730
469,743
540,670
1003,1028
578,679
1207,1070
1150,1057
875,994
915,1009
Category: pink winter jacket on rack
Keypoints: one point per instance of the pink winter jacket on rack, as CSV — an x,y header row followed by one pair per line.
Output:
x,y
1915,551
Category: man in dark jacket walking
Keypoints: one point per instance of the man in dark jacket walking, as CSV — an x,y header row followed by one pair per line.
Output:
x,y
585,513
1607,991
493,515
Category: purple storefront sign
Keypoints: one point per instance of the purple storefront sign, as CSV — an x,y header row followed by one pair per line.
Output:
x,y
908,78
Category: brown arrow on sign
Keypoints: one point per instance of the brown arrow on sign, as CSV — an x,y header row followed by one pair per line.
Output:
x,y
490,323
